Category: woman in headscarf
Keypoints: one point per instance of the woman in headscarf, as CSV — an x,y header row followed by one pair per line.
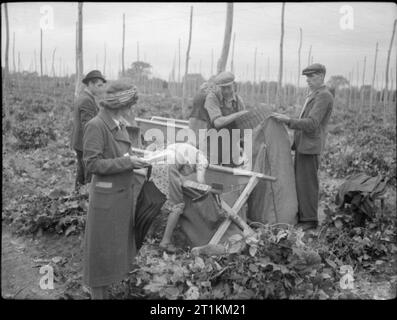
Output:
x,y
109,235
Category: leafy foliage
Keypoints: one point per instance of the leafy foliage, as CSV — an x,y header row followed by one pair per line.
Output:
x,y
358,246
33,137
274,263
367,147
56,212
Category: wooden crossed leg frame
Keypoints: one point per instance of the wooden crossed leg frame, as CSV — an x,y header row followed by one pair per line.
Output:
x,y
232,212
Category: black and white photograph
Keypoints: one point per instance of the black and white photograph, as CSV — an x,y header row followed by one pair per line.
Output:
x,y
204,151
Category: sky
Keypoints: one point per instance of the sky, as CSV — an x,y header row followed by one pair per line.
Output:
x,y
157,27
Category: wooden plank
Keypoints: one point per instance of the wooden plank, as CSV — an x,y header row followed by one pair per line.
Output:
x,y
240,172
177,121
145,125
245,194
221,231
235,217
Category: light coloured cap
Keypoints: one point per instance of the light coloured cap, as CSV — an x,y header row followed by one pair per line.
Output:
x,y
224,79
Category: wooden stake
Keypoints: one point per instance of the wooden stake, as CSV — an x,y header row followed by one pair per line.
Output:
x,y
356,101
41,52
122,50
254,84
110,69
226,40
53,63
13,53
179,60
35,61
184,87
362,87
60,67
391,93
385,105
350,89
6,73
280,99
232,61
377,87
299,62
373,82
79,75
268,82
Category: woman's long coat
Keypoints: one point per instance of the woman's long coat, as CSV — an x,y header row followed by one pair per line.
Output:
x,y
109,235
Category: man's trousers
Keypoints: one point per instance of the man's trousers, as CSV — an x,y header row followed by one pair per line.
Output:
x,y
307,185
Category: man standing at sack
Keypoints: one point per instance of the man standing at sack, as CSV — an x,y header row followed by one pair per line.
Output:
x,y
309,141
85,109
224,107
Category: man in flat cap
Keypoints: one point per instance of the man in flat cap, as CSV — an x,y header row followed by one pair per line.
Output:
x,y
309,141
224,106
85,109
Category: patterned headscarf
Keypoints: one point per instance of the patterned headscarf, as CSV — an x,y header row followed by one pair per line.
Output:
x,y
120,98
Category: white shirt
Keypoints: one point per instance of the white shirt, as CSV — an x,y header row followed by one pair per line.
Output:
x,y
185,153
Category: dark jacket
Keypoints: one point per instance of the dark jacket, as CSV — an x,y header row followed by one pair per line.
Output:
x,y
84,110
109,237
311,129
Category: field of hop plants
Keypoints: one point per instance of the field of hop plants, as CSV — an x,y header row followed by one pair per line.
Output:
x,y
43,219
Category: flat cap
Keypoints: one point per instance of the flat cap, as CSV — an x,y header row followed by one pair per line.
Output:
x,y
314,68
225,78
94,74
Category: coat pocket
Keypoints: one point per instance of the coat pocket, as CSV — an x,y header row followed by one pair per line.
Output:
x,y
103,198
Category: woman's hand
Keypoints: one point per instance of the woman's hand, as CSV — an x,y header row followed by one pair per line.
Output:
x,y
138,162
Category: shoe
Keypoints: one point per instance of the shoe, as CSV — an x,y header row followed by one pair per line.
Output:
x,y
308,225
169,248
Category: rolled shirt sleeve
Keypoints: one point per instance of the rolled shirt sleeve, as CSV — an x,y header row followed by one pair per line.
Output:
x,y
212,105
240,104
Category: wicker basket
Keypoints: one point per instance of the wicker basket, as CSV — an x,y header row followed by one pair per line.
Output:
x,y
253,118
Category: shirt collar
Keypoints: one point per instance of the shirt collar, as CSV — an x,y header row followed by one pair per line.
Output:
x,y
233,98
108,119
116,121
311,93
89,93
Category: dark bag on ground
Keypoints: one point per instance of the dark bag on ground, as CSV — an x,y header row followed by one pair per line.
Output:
x,y
149,203
360,191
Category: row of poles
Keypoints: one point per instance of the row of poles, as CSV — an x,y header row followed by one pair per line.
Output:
x,y
188,88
